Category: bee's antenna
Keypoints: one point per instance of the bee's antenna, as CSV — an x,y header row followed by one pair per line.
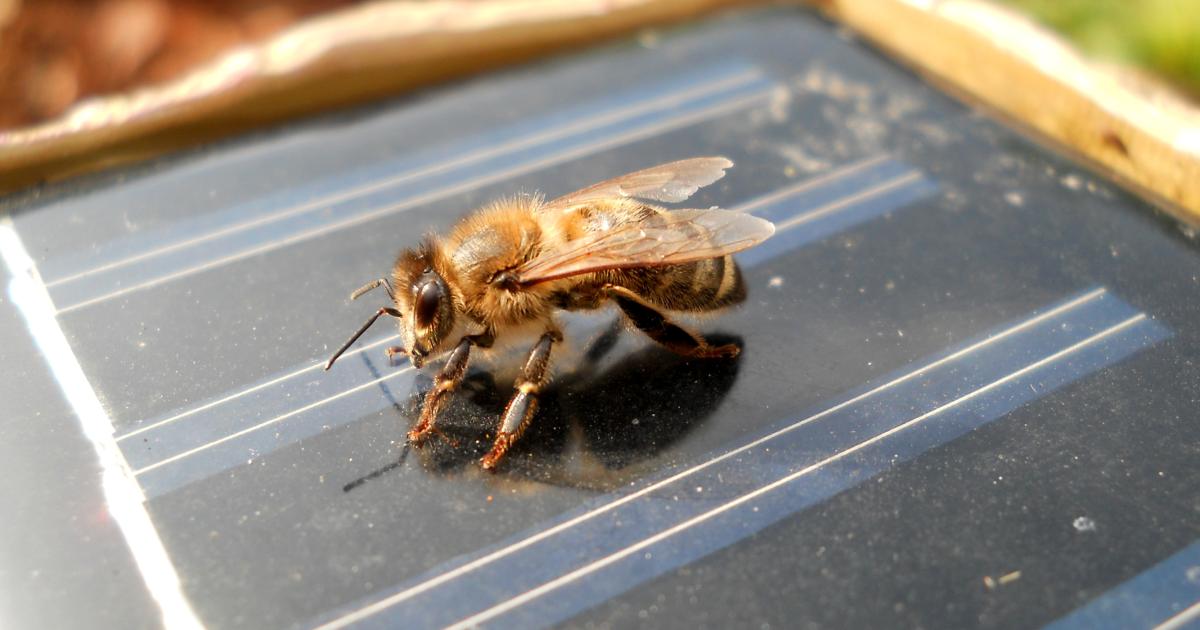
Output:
x,y
373,284
384,310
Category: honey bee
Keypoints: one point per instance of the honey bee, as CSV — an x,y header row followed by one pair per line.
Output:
x,y
509,267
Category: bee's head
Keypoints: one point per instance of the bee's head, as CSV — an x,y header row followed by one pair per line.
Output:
x,y
426,301
422,302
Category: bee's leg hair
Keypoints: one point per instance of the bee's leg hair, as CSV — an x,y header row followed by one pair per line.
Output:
x,y
523,404
444,384
658,327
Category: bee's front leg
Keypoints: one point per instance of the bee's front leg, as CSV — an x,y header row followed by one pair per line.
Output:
x,y
523,404
446,381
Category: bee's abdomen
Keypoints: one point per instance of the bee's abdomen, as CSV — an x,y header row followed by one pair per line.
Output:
x,y
704,285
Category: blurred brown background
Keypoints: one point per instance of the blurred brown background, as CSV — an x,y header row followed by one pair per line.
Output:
x,y
55,52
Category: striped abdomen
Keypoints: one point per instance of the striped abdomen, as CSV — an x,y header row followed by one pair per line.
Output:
x,y
703,285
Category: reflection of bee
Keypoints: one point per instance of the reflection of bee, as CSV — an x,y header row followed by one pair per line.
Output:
x,y
509,267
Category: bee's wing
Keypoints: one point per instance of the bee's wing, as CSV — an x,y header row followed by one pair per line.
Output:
x,y
669,238
671,182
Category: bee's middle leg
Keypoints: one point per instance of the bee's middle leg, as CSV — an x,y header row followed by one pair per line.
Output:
x,y
660,328
444,384
523,404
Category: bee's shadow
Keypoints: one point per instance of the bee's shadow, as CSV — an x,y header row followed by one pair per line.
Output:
x,y
589,423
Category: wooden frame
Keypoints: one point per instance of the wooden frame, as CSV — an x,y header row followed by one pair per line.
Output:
x,y
1141,133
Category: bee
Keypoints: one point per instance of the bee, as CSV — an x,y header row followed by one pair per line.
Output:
x,y
507,269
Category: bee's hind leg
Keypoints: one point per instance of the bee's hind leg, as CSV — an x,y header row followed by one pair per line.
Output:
x,y
660,328
523,404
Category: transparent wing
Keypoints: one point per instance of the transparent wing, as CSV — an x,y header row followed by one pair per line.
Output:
x,y
671,182
669,238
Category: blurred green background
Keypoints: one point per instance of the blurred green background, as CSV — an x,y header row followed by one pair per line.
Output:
x,y
1161,36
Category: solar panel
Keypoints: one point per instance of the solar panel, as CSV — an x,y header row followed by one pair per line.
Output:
x,y
957,344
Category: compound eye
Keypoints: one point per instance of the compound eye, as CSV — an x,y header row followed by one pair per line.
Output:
x,y
429,299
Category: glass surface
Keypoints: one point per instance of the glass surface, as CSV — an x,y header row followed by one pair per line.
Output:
x,y
966,395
